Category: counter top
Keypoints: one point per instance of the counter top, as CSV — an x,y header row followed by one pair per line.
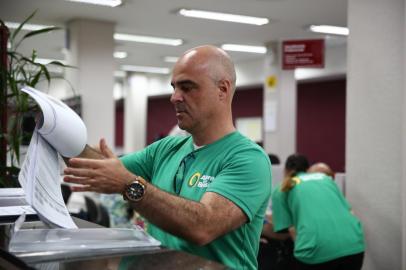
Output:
x,y
133,258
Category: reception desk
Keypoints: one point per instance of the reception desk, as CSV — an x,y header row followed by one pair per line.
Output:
x,y
152,258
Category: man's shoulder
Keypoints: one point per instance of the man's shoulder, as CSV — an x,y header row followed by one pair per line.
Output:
x,y
247,146
236,140
170,142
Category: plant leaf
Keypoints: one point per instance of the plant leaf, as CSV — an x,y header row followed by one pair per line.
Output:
x,y
36,32
43,30
21,26
58,63
35,79
46,73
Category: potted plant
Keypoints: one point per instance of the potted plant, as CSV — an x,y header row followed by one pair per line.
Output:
x,y
17,70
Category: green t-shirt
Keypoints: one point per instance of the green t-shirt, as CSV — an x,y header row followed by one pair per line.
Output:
x,y
325,227
233,167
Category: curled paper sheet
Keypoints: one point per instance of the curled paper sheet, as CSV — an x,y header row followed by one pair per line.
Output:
x,y
60,126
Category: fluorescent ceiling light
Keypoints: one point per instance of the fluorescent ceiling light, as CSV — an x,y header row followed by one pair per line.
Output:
x,y
223,16
120,55
330,29
110,3
171,59
148,39
27,26
244,48
159,70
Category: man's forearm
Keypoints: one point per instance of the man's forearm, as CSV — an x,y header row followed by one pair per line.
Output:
x,y
173,214
88,152
194,221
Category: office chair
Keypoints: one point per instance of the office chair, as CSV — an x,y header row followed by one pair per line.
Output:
x,y
97,213
104,218
92,211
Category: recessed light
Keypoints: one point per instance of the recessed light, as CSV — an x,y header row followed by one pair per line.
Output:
x,y
171,59
148,39
27,26
330,29
120,55
244,48
202,14
146,69
110,3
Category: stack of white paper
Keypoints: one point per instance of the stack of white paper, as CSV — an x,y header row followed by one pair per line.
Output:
x,y
13,202
60,131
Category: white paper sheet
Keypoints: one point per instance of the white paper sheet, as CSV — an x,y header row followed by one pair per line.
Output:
x,y
61,126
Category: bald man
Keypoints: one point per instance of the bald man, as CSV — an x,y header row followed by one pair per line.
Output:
x,y
206,193
322,168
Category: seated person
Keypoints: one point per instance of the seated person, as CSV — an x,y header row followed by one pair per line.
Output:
x,y
326,234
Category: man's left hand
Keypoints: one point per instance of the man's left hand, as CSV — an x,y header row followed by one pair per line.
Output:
x,y
107,175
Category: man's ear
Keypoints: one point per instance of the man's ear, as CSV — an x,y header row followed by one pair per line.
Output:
x,y
225,89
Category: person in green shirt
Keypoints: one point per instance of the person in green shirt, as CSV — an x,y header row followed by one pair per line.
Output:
x,y
326,233
206,193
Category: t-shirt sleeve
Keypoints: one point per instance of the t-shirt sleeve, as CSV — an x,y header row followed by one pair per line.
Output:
x,y
141,162
245,180
281,215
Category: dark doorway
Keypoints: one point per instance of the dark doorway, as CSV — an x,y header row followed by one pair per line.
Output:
x,y
320,132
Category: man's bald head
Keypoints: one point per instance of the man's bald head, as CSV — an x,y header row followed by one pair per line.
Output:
x,y
322,168
215,60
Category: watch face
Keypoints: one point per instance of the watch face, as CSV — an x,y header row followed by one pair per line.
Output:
x,y
135,191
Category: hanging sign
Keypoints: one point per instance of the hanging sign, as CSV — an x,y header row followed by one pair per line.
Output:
x,y
303,53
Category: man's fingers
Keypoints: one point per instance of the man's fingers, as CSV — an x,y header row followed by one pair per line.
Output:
x,y
105,149
80,172
76,180
84,163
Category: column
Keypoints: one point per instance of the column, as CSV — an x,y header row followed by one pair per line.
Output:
x,y
135,113
279,106
375,153
90,49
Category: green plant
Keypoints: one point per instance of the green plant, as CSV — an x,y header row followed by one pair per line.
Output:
x,y
16,71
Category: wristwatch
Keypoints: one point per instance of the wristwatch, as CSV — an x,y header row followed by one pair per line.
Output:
x,y
134,191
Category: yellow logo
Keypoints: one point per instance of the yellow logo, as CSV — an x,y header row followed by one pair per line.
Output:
x,y
271,82
194,179
296,180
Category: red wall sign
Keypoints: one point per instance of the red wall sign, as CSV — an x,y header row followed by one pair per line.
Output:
x,y
303,53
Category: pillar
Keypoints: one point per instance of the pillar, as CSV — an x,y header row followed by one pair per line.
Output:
x,y
375,148
90,49
279,106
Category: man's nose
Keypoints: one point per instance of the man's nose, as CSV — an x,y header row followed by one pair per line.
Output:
x,y
176,96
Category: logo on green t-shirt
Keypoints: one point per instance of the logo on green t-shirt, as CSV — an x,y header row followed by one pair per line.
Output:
x,y
200,181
